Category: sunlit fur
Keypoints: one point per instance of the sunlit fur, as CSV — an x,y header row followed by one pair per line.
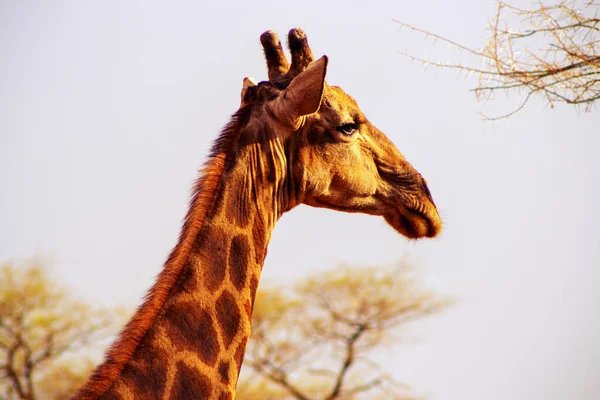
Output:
x,y
188,338
362,173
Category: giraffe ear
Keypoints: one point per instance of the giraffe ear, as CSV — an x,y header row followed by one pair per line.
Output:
x,y
248,83
303,95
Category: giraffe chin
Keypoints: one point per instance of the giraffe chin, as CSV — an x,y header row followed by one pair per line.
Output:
x,y
413,224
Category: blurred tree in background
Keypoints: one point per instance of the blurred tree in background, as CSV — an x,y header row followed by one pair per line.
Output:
x,y
315,339
46,335
550,50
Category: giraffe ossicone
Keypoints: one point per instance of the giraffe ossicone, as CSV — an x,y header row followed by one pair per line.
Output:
x,y
294,140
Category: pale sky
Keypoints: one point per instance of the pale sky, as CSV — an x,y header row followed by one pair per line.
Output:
x,y
108,108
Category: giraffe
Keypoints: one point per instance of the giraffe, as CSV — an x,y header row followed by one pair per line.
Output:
x,y
294,140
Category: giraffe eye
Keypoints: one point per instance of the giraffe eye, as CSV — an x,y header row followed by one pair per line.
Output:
x,y
347,129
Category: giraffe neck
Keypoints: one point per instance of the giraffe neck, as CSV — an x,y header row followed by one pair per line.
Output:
x,y
195,346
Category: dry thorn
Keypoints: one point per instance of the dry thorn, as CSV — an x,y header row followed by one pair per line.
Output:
x,y
555,55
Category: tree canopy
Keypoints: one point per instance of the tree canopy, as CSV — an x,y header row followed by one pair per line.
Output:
x,y
315,339
43,332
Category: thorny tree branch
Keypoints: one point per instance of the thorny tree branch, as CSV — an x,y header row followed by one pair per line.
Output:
x,y
12,374
564,68
348,360
277,375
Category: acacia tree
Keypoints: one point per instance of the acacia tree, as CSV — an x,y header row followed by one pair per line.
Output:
x,y
551,50
41,324
315,340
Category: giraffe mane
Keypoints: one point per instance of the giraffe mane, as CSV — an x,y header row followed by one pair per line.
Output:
x,y
202,200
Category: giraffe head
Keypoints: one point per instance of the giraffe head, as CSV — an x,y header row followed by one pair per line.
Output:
x,y
334,157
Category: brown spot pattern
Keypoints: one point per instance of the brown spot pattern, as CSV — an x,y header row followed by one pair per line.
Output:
x,y
248,309
190,327
148,368
258,237
150,379
238,211
110,395
229,315
246,137
238,261
253,288
218,203
271,168
188,279
211,254
239,355
190,384
224,372
225,396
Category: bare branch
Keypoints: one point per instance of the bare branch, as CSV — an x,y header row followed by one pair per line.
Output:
x,y
556,55
348,360
516,110
277,375
364,387
12,374
311,340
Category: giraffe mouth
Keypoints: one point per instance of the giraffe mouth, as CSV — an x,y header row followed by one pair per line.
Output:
x,y
414,223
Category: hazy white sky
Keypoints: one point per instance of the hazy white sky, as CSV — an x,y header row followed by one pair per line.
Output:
x,y
108,108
